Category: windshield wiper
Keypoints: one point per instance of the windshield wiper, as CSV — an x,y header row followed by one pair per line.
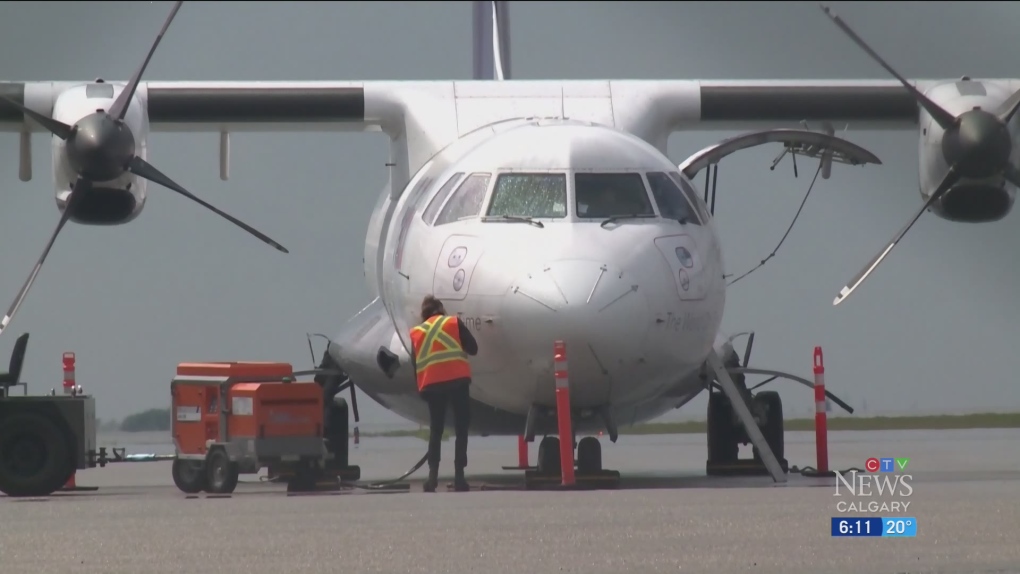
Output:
x,y
616,218
516,219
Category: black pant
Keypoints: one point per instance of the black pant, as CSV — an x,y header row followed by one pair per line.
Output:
x,y
458,396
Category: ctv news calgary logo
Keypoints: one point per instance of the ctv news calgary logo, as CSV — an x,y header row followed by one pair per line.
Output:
x,y
883,489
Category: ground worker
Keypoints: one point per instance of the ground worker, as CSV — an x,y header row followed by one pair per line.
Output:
x,y
441,345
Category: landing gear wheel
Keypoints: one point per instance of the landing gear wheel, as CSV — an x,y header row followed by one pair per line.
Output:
x,y
35,456
189,475
221,472
589,455
723,444
773,427
337,425
549,456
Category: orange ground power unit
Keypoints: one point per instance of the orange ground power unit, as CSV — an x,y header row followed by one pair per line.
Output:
x,y
242,416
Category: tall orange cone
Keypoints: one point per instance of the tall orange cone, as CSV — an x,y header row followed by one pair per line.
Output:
x,y
70,389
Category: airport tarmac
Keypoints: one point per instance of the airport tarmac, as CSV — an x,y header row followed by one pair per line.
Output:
x,y
667,516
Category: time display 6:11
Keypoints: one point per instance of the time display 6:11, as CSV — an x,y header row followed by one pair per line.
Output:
x,y
858,526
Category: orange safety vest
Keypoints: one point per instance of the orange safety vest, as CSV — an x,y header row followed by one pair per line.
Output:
x,y
438,354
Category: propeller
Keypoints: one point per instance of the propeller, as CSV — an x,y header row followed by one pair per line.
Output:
x,y
101,147
975,144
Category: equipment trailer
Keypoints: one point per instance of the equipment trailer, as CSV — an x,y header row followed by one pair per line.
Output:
x,y
44,439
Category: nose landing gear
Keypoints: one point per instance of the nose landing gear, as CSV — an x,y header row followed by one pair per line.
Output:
x,y
588,472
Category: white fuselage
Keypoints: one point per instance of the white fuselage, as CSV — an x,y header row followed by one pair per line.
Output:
x,y
638,302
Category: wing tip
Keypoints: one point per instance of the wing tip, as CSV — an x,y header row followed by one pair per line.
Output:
x,y
843,294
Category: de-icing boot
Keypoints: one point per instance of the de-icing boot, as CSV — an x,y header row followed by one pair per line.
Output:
x,y
459,483
432,481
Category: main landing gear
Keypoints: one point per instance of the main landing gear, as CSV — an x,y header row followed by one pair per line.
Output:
x,y
728,428
726,434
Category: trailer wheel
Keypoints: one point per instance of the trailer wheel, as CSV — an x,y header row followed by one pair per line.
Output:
x,y
221,472
35,456
189,476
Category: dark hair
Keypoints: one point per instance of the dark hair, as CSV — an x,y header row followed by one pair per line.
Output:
x,y
431,306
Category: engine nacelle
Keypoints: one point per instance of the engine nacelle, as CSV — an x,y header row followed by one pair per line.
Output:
x,y
971,200
111,202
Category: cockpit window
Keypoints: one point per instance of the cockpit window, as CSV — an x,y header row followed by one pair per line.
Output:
x,y
429,215
671,199
692,196
536,195
466,202
98,91
601,195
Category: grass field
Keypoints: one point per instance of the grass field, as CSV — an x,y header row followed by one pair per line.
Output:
x,y
928,422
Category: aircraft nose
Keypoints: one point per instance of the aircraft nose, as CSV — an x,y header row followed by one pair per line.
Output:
x,y
596,308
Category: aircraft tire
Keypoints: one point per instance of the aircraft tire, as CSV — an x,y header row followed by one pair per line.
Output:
x,y
722,433
35,455
773,427
337,430
589,455
549,456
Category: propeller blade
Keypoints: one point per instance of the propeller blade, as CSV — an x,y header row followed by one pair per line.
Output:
x,y
942,117
947,182
120,105
747,348
142,168
80,186
354,402
1009,107
59,129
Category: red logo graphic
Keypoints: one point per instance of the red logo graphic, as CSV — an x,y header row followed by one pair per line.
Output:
x,y
871,465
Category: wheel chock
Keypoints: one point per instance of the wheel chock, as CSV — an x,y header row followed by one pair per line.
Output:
x,y
72,486
589,480
742,467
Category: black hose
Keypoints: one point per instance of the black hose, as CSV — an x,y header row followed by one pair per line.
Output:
x,y
389,484
812,472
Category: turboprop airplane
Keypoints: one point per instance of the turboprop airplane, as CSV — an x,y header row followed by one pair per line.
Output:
x,y
539,211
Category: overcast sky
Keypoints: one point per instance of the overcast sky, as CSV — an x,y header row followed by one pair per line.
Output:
x,y
935,328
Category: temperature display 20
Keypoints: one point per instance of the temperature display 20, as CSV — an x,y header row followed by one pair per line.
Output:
x,y
861,526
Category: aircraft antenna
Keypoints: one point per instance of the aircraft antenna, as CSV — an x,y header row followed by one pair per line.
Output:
x,y
788,229
491,39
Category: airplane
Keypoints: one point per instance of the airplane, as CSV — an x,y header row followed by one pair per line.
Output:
x,y
540,211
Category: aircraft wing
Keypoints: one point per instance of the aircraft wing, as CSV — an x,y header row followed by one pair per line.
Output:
x,y
233,106
370,105
872,102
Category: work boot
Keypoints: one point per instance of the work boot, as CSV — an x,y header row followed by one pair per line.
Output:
x,y
459,482
432,481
